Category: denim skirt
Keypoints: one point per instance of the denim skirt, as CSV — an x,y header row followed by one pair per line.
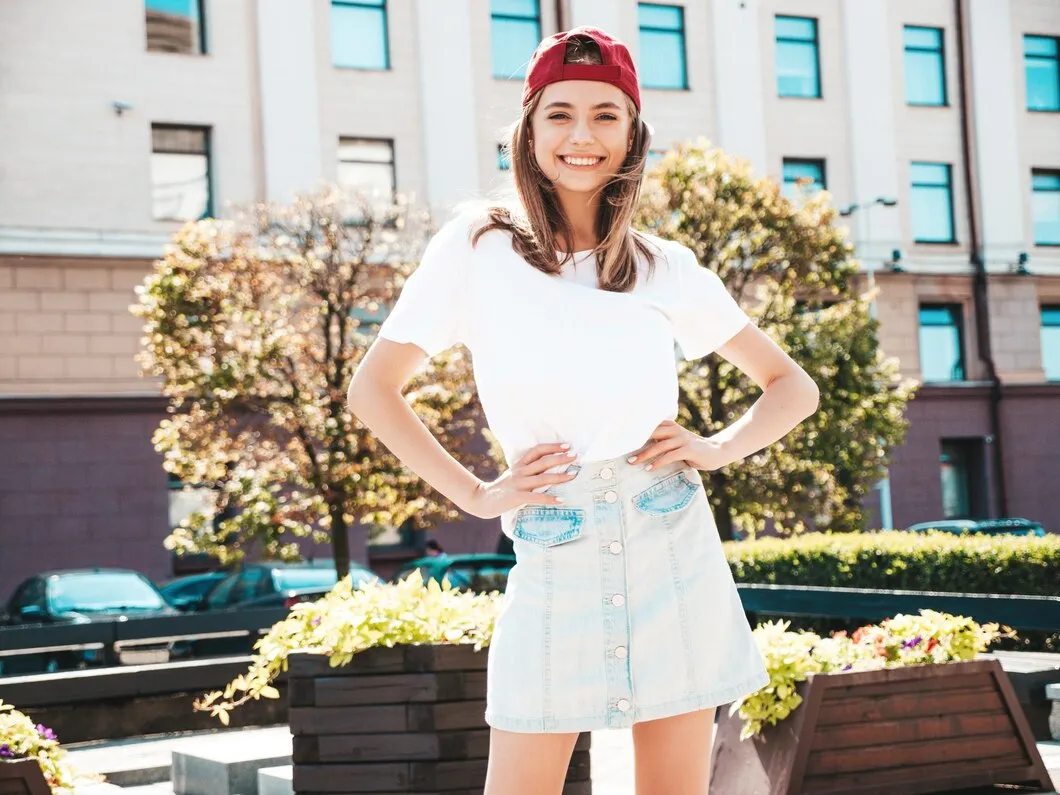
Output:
x,y
621,607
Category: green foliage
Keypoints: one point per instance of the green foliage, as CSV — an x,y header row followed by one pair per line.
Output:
x,y
348,621
898,560
20,738
255,327
792,270
927,638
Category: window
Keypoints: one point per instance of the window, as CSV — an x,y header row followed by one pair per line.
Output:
x,y
1045,205
504,162
515,31
963,478
175,26
798,61
925,66
359,37
941,343
1051,342
1042,63
932,203
366,167
180,173
662,46
806,176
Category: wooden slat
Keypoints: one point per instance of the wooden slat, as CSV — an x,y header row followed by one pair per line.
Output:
x,y
909,705
920,780
1004,747
23,777
399,659
971,681
918,729
406,746
446,716
399,688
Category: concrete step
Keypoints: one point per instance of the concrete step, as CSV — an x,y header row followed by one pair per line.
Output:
x,y
276,781
228,764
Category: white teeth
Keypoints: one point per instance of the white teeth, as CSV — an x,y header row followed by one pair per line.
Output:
x,y
581,161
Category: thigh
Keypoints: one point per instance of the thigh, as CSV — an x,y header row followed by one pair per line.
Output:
x,y
528,764
672,755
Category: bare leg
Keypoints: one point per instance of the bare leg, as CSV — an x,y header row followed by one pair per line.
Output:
x,y
528,764
672,755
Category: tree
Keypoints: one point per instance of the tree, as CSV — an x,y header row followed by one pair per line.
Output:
x,y
255,326
794,273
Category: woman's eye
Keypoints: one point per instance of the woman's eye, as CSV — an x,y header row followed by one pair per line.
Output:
x,y
608,117
557,116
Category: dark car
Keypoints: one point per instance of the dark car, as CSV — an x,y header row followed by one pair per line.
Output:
x,y
479,572
276,584
1013,527
84,596
187,593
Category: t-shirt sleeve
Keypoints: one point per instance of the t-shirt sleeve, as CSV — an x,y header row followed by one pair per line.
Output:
x,y
705,315
430,308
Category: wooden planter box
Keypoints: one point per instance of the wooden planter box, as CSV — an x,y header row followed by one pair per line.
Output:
x,y
920,729
22,777
407,719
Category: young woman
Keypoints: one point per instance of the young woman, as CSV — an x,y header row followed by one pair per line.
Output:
x,y
621,610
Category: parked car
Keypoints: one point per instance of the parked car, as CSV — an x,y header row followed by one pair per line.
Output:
x,y
277,584
1014,527
83,596
186,593
479,572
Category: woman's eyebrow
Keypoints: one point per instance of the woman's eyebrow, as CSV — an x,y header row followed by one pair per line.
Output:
x,y
600,106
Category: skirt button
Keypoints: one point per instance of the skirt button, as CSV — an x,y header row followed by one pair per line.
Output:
x,y
623,705
618,600
615,547
621,652
607,473
611,496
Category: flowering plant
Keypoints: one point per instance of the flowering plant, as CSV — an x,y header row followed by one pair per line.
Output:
x,y
347,621
930,637
21,738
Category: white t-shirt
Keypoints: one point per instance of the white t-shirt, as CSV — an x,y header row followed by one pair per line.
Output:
x,y
555,358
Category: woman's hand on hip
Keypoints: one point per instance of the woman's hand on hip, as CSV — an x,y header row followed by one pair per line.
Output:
x,y
671,442
515,487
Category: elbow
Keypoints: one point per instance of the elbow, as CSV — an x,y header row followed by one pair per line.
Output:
x,y
809,396
356,397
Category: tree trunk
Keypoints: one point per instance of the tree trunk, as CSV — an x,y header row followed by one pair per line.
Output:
x,y
723,505
340,541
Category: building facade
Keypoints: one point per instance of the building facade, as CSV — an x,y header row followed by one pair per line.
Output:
x,y
934,124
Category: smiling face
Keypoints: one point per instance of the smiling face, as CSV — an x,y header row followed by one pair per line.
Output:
x,y
581,134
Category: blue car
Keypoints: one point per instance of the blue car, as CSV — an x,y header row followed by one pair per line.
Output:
x,y
995,527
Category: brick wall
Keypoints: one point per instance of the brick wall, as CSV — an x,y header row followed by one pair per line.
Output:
x,y
65,326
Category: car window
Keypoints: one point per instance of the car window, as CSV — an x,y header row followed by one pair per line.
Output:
x,y
93,591
221,595
249,585
30,592
478,578
308,577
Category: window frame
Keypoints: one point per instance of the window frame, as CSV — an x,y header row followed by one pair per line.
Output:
x,y
375,140
971,453
957,309
913,185
941,52
207,132
203,41
1044,172
682,40
817,162
816,42
375,5
1055,59
513,18
1044,323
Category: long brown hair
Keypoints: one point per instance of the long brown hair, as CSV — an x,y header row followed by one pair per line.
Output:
x,y
536,237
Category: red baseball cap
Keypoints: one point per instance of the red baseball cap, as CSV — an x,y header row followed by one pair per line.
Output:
x,y
546,64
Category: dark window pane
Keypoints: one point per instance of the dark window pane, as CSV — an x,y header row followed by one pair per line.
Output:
x,y
174,26
662,59
957,462
359,36
1043,73
1045,206
941,354
180,174
797,70
1051,342
1040,45
810,172
925,82
513,41
655,16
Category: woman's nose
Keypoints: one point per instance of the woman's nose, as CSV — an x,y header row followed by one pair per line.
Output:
x,y
581,133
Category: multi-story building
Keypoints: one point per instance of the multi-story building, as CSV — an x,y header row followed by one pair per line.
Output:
x,y
934,123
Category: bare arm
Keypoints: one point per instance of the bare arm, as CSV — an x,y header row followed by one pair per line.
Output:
x,y
374,396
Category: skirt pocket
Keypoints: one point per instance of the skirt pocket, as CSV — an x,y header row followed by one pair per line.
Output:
x,y
672,493
546,526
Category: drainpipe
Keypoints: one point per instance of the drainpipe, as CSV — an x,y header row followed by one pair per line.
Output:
x,y
561,15
980,291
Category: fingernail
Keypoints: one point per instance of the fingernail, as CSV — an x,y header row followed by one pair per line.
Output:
x,y
560,499
648,467
631,459
570,455
564,447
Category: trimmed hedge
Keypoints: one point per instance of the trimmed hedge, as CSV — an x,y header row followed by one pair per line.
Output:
x,y
899,560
